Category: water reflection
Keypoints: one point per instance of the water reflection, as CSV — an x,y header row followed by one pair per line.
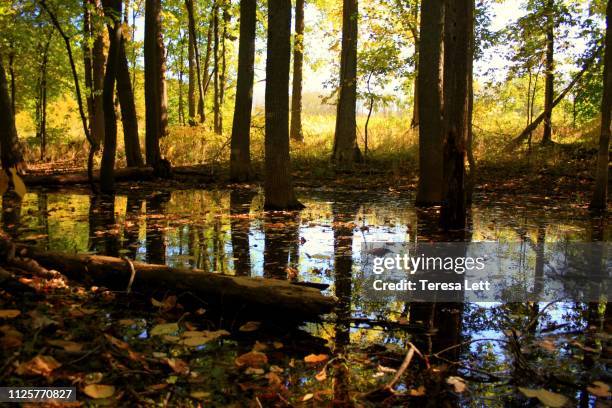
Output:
x,y
228,232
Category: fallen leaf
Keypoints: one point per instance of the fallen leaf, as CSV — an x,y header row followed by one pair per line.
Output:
x,y
260,346
254,371
277,345
321,375
179,366
39,365
458,383
417,392
99,391
273,379
307,397
127,322
203,337
165,328
120,344
67,345
548,398
252,359
250,326
599,389
93,378
199,395
276,369
171,339
316,358
9,313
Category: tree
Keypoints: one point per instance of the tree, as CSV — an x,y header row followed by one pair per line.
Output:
x,y
240,154
194,56
346,151
112,10
298,61
600,195
458,33
155,88
550,71
11,155
216,105
278,185
94,60
429,82
129,118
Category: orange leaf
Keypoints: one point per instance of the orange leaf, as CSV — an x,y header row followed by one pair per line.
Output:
x,y
252,359
39,365
316,358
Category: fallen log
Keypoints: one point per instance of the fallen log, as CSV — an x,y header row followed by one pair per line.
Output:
x,y
280,297
121,174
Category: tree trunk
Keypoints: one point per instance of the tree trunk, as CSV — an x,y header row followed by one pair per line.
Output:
x,y
600,195
222,75
278,185
10,149
129,118
155,89
193,40
414,123
11,61
298,61
191,102
550,73
240,225
346,151
457,39
112,10
429,83
471,179
41,100
181,69
216,108
94,60
208,76
240,154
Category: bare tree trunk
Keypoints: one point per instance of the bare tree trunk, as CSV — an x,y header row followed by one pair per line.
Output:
x,y
208,76
298,62
155,89
96,112
278,185
41,100
429,82
193,40
458,32
550,73
222,75
129,118
600,195
471,179
181,67
216,108
240,154
414,123
11,61
346,151
10,149
112,10
191,102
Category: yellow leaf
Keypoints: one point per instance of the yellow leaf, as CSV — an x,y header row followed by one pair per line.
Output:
x,y
600,389
307,397
199,395
316,358
321,375
418,392
166,328
20,187
9,313
179,366
99,391
548,398
458,383
249,326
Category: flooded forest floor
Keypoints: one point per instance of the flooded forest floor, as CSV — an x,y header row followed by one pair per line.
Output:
x,y
168,348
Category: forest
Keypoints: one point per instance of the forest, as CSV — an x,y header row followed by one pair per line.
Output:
x,y
194,193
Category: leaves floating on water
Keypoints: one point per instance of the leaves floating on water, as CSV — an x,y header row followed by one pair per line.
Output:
x,y
548,398
39,365
253,359
316,358
9,313
67,345
165,328
250,326
600,389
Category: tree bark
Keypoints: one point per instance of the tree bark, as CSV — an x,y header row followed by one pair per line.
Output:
x,y
41,100
600,195
346,151
458,15
240,224
11,61
112,10
208,76
278,185
298,62
10,149
155,89
240,153
222,74
429,83
181,68
550,72
129,118
191,102
94,61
